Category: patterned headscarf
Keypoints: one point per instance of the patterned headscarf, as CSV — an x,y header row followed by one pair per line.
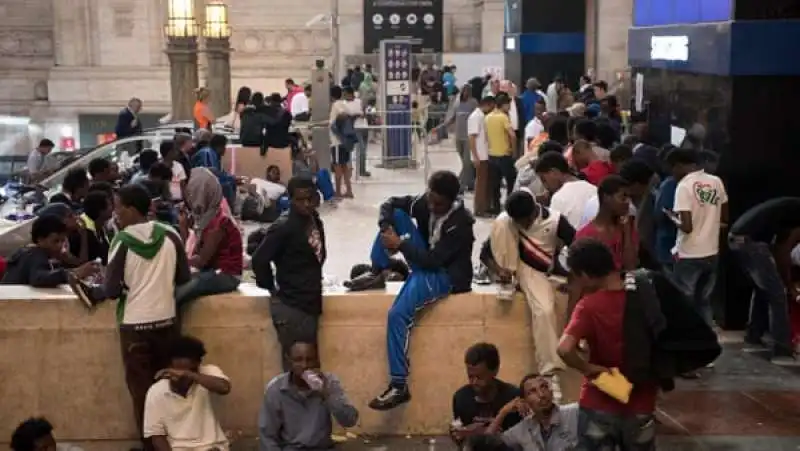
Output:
x,y
204,196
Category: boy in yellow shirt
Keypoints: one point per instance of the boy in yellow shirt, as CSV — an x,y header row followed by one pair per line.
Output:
x,y
502,142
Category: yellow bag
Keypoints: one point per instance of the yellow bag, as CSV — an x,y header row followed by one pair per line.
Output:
x,y
614,384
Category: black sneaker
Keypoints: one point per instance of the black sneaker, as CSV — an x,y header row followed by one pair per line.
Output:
x,y
83,291
391,398
366,281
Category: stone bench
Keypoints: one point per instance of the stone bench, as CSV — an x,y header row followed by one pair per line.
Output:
x,y
59,361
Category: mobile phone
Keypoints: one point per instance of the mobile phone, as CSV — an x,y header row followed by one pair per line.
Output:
x,y
674,217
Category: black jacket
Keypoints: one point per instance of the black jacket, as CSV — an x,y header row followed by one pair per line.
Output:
x,y
453,252
31,265
253,121
123,128
297,280
663,334
278,122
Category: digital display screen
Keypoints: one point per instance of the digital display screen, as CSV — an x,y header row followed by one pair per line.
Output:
x,y
671,12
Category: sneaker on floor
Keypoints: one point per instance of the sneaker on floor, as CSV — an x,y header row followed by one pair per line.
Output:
x,y
366,281
83,291
751,346
391,398
785,360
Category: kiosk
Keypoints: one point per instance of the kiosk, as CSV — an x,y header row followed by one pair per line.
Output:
x,y
544,38
728,67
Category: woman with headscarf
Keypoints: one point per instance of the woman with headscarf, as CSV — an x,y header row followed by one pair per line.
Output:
x,y
217,256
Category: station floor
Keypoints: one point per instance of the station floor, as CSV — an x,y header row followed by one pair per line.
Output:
x,y
743,403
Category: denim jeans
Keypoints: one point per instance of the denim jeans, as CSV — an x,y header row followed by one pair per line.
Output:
x,y
696,277
467,174
500,168
601,431
768,306
205,283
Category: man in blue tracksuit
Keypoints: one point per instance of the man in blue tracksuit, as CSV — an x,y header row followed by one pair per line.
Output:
x,y
438,248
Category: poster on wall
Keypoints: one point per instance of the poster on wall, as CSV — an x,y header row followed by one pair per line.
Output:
x,y
395,58
418,21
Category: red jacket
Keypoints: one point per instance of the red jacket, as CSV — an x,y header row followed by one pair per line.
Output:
x,y
597,170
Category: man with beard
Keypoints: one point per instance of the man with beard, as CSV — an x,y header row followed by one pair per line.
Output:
x,y
547,426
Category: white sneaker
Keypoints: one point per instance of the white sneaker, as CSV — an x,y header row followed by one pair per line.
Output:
x,y
785,360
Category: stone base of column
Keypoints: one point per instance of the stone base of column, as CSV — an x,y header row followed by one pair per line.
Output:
x,y
182,53
218,77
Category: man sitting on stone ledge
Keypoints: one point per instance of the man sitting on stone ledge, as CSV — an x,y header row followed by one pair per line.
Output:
x,y
34,264
439,251
523,244
476,404
178,414
298,405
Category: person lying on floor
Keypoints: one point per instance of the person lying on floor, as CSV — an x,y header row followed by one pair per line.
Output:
x,y
439,251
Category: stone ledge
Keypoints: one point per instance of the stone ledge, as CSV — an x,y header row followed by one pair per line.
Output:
x,y
65,364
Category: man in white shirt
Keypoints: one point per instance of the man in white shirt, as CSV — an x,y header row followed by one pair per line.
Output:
x,y
300,103
479,147
568,194
536,125
178,414
553,89
355,108
701,208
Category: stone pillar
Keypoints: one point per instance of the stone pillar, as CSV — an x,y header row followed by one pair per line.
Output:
x,y
320,112
218,76
182,53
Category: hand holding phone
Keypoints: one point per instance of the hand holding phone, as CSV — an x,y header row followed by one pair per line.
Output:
x,y
674,217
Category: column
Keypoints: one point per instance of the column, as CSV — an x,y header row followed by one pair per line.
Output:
x,y
182,53
218,77
544,38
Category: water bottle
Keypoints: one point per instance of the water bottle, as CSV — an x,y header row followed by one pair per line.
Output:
x,y
313,380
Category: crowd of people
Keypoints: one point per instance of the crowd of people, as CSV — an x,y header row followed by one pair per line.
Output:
x,y
613,222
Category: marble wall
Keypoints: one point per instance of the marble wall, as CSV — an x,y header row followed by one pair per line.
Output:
x,y
62,58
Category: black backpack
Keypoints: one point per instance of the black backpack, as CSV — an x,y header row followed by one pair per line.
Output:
x,y
664,335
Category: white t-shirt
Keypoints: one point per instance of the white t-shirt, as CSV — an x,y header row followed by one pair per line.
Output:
x,y
299,104
268,190
702,195
178,176
513,116
476,126
571,200
338,108
355,108
533,129
188,422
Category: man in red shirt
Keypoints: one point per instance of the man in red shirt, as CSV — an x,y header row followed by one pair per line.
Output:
x,y
604,423
614,225
586,160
